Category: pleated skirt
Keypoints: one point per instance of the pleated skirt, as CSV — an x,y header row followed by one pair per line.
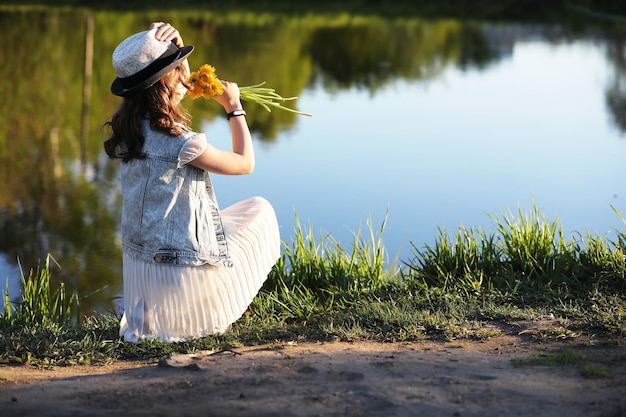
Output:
x,y
175,303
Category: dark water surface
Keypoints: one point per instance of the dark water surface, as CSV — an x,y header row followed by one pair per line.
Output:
x,y
434,124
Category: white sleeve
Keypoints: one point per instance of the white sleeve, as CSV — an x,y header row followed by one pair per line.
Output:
x,y
192,149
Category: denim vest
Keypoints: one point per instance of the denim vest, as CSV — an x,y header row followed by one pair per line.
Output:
x,y
170,214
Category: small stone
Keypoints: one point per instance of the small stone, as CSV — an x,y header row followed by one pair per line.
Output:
x,y
179,361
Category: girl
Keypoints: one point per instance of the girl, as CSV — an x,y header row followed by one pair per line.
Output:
x,y
189,269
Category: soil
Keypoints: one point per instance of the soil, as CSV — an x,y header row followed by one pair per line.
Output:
x,y
457,378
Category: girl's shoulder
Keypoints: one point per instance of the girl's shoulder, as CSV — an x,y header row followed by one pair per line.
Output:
x,y
161,144
193,147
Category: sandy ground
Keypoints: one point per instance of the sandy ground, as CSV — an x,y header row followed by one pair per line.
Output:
x,y
458,378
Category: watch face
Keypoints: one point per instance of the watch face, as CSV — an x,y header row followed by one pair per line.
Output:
x,y
236,113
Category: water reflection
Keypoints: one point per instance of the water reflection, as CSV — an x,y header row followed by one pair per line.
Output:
x,y
59,194
616,92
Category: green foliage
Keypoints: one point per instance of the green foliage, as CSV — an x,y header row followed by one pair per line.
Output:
x,y
39,303
526,258
510,10
328,269
43,327
318,290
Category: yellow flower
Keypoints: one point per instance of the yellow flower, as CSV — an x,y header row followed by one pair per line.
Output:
x,y
204,83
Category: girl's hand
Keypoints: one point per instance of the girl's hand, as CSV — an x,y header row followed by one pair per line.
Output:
x,y
166,32
229,99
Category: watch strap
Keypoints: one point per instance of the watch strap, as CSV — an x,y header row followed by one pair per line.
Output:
x,y
235,113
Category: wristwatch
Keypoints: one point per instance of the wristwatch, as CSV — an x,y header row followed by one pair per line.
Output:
x,y
235,113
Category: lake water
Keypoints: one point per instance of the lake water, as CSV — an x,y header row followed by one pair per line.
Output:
x,y
531,130
537,123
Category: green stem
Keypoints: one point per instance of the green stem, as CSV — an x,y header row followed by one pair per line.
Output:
x,y
267,97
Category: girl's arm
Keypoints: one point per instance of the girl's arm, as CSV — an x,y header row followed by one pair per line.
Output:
x,y
240,160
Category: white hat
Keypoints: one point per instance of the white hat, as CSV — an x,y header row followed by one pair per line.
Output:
x,y
141,60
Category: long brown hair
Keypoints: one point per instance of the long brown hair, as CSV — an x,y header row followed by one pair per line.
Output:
x,y
157,104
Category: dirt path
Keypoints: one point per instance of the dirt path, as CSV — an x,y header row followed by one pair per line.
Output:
x,y
331,379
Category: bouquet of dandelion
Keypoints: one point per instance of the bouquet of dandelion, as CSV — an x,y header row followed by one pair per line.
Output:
x,y
204,83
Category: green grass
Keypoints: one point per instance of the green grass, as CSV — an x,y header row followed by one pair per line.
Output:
x,y
527,259
46,328
593,372
465,286
567,357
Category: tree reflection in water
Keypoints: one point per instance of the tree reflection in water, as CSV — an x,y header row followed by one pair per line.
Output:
x,y
59,194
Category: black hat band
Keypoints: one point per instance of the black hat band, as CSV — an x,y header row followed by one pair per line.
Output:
x,y
143,75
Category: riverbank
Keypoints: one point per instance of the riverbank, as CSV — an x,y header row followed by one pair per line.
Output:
x,y
471,286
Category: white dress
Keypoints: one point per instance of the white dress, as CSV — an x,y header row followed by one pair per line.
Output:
x,y
174,303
